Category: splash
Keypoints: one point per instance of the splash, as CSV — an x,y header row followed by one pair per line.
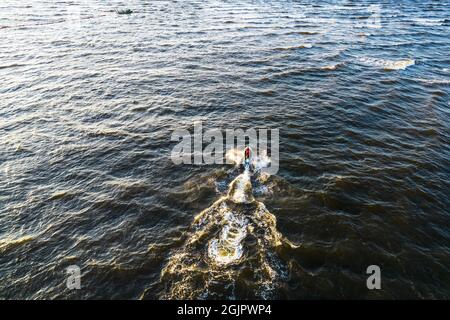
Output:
x,y
428,22
236,157
260,161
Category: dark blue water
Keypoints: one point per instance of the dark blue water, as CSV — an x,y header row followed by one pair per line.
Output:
x,y
89,99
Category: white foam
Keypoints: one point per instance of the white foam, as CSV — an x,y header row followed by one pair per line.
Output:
x,y
228,248
428,22
235,156
387,64
241,189
260,161
221,230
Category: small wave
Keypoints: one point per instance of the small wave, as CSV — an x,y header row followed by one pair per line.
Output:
x,y
10,243
387,64
332,67
124,11
241,189
435,81
267,92
308,32
61,195
14,65
301,46
305,33
107,132
428,22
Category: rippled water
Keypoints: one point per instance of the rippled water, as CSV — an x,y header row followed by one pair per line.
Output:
x,y
89,99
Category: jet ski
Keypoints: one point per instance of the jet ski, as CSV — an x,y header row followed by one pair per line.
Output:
x,y
247,164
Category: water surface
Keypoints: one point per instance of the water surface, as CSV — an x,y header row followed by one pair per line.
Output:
x,y
89,99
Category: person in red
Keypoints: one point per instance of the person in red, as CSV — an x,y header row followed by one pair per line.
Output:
x,y
247,157
247,153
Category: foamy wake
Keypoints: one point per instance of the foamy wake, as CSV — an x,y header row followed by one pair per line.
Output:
x,y
227,247
235,239
240,190
386,64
